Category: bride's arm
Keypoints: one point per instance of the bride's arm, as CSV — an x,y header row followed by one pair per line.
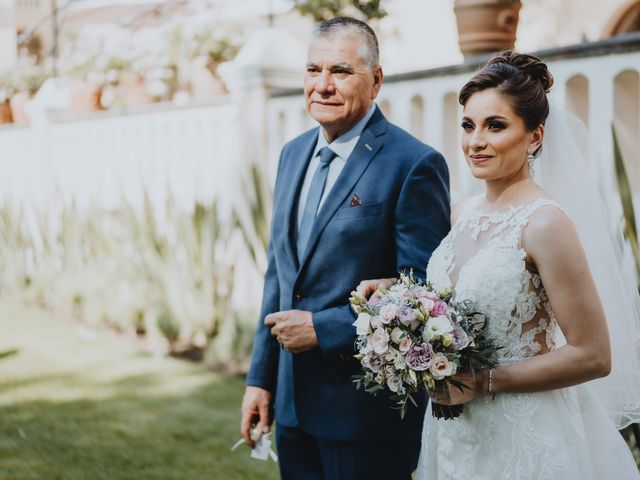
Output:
x,y
552,244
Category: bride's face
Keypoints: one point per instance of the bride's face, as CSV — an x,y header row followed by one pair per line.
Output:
x,y
495,140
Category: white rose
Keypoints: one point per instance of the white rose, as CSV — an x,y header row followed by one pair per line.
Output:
x,y
427,303
438,326
376,321
362,323
380,341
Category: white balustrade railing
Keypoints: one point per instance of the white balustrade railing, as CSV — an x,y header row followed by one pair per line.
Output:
x,y
189,152
196,151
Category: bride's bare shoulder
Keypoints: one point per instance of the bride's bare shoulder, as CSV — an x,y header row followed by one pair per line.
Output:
x,y
549,228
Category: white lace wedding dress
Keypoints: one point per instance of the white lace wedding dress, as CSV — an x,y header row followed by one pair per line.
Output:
x,y
560,434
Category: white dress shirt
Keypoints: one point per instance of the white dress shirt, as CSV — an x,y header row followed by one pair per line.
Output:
x,y
342,146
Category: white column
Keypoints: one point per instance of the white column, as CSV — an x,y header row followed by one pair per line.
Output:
x,y
270,60
8,36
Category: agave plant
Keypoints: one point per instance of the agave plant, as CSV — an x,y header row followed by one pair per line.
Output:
x,y
254,220
160,269
632,432
626,197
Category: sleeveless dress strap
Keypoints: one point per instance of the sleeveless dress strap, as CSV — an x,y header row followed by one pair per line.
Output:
x,y
522,217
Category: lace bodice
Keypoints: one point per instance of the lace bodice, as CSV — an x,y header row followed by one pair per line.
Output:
x,y
515,436
481,259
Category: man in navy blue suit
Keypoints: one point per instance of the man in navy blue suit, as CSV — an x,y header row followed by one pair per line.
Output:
x,y
355,198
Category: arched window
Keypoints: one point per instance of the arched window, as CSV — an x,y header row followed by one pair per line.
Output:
x,y
577,97
417,117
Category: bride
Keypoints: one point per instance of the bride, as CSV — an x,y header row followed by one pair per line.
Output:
x,y
516,251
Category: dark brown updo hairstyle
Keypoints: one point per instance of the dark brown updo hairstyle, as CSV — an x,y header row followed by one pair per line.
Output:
x,y
522,79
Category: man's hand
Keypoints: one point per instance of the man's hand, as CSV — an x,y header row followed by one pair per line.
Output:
x,y
294,330
255,411
367,288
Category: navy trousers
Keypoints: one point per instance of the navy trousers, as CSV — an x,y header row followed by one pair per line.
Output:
x,y
306,457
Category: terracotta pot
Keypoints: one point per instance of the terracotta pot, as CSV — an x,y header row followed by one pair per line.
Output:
x,y
17,103
85,97
5,113
486,26
134,90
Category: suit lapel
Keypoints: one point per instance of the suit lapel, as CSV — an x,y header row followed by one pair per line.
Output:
x,y
368,145
291,201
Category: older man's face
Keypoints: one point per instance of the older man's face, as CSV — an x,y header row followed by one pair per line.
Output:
x,y
339,85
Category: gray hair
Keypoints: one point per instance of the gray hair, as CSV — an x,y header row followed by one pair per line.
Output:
x,y
368,49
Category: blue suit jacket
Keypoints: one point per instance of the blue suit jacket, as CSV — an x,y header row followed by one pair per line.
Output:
x,y
404,188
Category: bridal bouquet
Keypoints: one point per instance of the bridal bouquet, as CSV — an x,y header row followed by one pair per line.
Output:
x,y
411,338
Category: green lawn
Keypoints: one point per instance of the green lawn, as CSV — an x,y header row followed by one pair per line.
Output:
x,y
79,404
83,404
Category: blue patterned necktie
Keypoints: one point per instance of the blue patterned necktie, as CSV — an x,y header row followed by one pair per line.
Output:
x,y
313,199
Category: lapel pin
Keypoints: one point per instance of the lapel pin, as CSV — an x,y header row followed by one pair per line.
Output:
x,y
368,146
355,201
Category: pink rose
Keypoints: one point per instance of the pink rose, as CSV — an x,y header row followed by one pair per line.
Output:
x,y
405,344
439,308
441,367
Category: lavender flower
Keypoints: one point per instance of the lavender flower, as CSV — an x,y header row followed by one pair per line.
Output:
x,y
419,356
373,362
460,338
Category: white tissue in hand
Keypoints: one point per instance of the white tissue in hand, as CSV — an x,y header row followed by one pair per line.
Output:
x,y
262,448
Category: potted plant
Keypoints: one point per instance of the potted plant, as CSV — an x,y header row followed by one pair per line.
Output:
x,y
7,90
486,26
209,46
28,77
205,47
325,9
86,82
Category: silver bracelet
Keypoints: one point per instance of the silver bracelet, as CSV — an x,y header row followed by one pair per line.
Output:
x,y
492,395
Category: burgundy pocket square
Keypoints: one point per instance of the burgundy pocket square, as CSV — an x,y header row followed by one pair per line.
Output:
x,y
355,201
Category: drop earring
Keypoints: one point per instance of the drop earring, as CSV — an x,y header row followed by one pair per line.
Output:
x,y
530,161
